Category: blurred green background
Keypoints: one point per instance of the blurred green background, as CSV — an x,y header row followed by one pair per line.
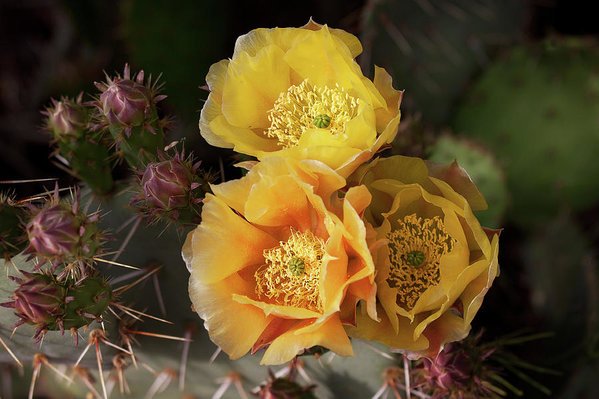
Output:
x,y
509,88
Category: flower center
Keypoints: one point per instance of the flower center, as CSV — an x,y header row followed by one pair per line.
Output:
x,y
291,273
304,107
415,250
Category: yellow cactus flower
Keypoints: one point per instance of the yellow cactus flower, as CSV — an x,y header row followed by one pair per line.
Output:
x,y
434,261
280,260
297,92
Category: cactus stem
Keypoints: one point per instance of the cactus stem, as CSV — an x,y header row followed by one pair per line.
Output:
x,y
11,353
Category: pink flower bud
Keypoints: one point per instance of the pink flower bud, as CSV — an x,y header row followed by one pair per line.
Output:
x,y
53,231
166,184
66,117
38,299
125,102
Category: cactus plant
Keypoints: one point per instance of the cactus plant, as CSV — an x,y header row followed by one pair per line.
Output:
x,y
85,151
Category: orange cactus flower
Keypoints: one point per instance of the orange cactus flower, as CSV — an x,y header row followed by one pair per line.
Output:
x,y
297,92
280,260
434,261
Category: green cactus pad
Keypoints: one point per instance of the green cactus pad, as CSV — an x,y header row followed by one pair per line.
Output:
x,y
536,109
91,297
482,168
90,161
140,146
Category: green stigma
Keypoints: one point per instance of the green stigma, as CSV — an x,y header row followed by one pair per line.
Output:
x,y
415,258
296,266
322,121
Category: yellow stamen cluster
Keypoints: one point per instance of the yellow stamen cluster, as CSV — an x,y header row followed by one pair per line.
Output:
x,y
304,107
415,249
291,274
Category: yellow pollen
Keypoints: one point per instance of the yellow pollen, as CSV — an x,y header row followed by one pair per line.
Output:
x,y
279,282
301,105
415,250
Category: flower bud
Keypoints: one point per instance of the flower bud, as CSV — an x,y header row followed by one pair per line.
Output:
x,y
53,231
38,299
166,184
66,117
451,369
59,233
125,102
171,189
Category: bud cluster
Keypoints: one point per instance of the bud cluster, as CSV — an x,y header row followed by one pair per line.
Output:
x,y
470,369
123,117
87,152
51,304
126,107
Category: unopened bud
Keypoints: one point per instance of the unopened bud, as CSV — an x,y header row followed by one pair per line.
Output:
x,y
125,102
66,117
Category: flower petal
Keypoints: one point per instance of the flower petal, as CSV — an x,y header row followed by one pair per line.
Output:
x,y
329,334
260,78
213,302
225,239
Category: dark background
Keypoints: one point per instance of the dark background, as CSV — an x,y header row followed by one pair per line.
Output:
x,y
549,269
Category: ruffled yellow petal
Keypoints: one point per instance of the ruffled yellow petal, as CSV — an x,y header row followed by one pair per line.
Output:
x,y
227,240
329,334
352,42
319,59
384,84
234,327
216,78
473,294
286,38
384,332
284,311
260,78
447,328
241,139
459,180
